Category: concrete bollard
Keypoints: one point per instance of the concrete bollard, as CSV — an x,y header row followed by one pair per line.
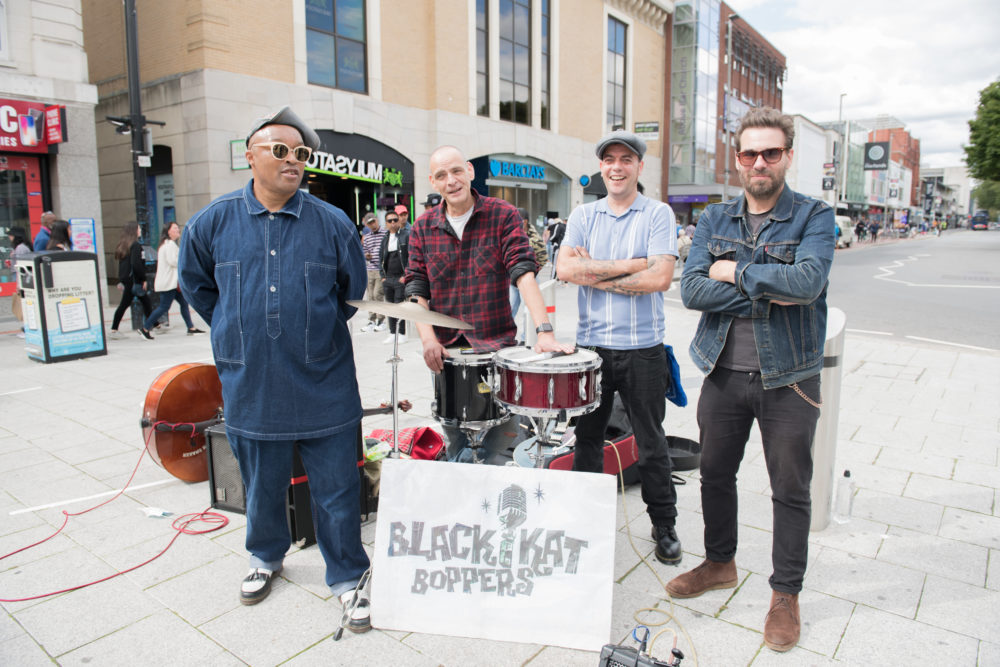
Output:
x,y
824,450
548,290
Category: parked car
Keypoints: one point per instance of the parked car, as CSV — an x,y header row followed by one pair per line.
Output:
x,y
846,231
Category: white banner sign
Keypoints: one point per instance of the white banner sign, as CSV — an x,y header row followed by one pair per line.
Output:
x,y
492,552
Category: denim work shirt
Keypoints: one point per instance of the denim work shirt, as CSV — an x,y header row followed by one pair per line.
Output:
x,y
788,260
274,286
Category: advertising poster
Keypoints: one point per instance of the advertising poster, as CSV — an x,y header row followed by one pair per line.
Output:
x,y
83,234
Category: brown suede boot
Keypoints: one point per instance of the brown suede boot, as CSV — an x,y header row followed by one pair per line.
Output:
x,y
782,626
706,577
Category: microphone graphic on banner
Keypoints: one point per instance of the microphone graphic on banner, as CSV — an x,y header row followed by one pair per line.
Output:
x,y
511,508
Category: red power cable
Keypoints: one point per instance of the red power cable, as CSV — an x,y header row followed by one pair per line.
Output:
x,y
181,524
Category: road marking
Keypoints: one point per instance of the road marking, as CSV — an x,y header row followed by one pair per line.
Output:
x,y
19,391
888,271
96,495
866,331
948,342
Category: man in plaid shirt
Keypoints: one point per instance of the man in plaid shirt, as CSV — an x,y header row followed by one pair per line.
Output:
x,y
464,254
372,245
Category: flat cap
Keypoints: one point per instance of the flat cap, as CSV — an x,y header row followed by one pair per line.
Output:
x,y
285,116
627,139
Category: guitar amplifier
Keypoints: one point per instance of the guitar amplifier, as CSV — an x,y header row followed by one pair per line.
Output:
x,y
227,492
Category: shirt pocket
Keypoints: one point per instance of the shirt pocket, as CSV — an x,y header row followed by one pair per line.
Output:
x,y
321,311
723,249
227,319
486,260
780,253
440,268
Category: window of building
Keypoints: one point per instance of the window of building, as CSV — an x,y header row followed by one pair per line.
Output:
x,y
616,73
4,40
335,44
515,61
482,58
545,65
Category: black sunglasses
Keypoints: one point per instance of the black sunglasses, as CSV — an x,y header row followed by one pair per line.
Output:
x,y
770,155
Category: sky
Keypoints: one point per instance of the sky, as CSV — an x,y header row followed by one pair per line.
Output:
x,y
921,61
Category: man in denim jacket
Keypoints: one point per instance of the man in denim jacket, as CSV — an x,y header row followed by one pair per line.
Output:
x,y
271,268
758,270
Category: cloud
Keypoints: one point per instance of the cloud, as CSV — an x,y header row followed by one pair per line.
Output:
x,y
921,61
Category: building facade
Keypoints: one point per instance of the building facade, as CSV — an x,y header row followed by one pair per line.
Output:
x,y
524,88
711,89
47,145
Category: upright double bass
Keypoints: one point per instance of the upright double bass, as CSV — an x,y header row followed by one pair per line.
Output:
x,y
181,403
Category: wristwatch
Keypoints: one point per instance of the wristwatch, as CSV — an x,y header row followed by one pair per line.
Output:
x,y
543,328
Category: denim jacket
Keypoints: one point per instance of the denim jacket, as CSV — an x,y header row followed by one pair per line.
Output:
x,y
274,288
789,260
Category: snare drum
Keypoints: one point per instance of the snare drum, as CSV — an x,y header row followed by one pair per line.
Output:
x,y
463,391
542,385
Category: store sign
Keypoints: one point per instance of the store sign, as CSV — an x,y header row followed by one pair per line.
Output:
x,y
532,172
828,183
648,131
22,127
876,155
355,168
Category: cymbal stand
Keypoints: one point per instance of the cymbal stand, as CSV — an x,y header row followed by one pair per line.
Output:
x,y
395,360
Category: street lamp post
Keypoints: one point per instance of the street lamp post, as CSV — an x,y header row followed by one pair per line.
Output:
x,y
842,176
725,100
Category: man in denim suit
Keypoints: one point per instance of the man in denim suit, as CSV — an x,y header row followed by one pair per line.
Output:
x,y
271,268
758,270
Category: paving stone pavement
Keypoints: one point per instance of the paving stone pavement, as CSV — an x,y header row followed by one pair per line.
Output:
x,y
913,578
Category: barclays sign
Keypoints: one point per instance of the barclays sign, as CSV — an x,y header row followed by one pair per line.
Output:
x,y
517,170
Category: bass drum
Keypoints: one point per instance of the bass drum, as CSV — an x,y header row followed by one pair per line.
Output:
x,y
182,395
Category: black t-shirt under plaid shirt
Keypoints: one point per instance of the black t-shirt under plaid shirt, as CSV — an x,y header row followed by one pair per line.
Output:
x,y
469,278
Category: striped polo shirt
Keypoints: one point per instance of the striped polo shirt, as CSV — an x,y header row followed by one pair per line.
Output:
x,y
617,321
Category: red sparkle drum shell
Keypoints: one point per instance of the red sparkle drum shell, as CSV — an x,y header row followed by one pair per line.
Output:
x,y
463,391
540,385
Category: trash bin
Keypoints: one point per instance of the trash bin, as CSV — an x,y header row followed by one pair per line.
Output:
x,y
824,449
61,299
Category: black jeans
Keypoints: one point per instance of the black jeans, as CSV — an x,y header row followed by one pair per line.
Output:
x,y
127,297
730,401
393,288
640,377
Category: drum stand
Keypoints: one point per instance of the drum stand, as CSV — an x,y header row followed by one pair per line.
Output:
x,y
395,360
476,437
544,426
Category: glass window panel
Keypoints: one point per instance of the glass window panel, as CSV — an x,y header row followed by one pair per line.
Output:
x,y
620,69
506,59
704,38
351,19
481,14
703,60
481,53
683,35
522,64
481,95
507,19
319,14
506,100
545,73
620,102
319,58
350,65
545,34
522,24
522,104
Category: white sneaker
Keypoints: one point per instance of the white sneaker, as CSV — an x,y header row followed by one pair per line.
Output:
x,y
369,328
381,326
388,339
357,617
114,334
403,338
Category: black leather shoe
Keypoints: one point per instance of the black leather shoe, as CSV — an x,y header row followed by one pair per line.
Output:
x,y
668,545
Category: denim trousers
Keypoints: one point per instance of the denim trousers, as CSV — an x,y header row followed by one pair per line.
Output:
x,y
641,378
166,300
334,494
730,402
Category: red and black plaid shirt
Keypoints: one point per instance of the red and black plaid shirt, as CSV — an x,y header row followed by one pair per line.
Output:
x,y
469,279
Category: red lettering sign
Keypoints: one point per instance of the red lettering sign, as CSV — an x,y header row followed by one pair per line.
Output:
x,y
55,124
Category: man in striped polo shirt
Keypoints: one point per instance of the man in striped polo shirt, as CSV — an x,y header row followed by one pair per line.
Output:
x,y
371,242
621,252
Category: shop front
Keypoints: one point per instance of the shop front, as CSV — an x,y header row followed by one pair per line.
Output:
x,y
688,208
525,182
29,133
360,175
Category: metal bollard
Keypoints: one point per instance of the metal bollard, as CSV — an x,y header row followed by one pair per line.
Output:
x,y
824,450
548,290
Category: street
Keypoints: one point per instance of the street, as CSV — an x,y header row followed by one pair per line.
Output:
x,y
945,289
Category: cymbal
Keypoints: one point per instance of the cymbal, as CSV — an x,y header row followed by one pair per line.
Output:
x,y
411,311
